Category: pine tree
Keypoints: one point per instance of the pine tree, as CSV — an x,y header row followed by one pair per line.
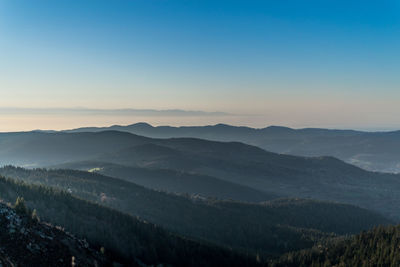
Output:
x,y
20,206
35,216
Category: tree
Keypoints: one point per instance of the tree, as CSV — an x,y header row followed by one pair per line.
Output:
x,y
20,206
35,216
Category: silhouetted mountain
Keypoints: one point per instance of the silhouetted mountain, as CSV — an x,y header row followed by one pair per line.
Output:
x,y
271,228
377,151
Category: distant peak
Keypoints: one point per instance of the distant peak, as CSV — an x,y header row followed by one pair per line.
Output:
x,y
141,124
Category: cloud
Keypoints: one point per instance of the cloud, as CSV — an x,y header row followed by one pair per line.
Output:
x,y
110,112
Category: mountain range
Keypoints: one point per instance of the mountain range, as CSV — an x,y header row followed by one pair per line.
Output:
x,y
374,151
232,164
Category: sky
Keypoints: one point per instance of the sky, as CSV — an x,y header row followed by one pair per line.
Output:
x,y
331,63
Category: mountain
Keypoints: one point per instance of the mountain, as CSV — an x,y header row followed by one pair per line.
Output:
x,y
269,228
375,151
42,148
377,247
323,178
24,241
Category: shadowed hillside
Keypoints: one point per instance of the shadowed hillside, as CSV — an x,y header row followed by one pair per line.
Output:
x,y
125,238
179,182
24,240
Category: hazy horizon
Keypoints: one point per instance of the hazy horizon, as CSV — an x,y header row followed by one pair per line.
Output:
x,y
28,119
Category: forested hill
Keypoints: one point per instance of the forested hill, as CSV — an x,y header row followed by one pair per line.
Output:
x,y
377,247
377,151
125,238
270,228
174,181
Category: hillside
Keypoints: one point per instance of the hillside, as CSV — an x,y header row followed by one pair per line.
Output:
x,y
126,239
377,247
23,242
376,151
271,228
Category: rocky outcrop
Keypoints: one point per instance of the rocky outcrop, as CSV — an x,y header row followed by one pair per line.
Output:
x,y
27,242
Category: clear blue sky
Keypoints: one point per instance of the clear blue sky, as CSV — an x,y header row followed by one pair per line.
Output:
x,y
295,63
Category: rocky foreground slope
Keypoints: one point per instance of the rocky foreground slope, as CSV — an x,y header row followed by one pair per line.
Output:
x,y
27,242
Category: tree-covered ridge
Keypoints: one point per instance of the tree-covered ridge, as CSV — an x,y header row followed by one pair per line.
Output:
x,y
376,247
270,228
124,237
313,214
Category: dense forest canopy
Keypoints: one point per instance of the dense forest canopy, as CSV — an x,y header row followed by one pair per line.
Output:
x,y
377,247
